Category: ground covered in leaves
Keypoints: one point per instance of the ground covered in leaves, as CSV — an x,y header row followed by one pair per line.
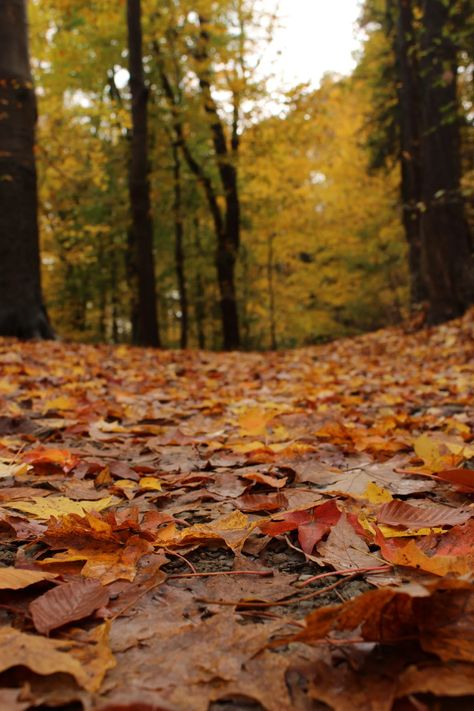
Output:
x,y
193,531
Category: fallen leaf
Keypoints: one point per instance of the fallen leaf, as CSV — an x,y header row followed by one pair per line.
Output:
x,y
40,654
16,578
67,603
399,513
344,549
59,457
45,508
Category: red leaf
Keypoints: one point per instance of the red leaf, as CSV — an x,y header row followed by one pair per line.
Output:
x,y
262,502
67,603
463,478
324,518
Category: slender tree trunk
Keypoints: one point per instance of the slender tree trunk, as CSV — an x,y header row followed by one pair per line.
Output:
x,y
22,312
228,239
271,291
179,247
447,257
199,307
410,158
142,224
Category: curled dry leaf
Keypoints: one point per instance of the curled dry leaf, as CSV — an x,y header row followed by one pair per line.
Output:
x,y
442,619
399,513
67,603
59,457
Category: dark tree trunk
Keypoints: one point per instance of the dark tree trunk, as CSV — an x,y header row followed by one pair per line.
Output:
x,y
226,228
22,312
228,239
199,298
446,248
142,224
410,158
179,246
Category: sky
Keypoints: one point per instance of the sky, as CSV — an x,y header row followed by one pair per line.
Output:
x,y
316,36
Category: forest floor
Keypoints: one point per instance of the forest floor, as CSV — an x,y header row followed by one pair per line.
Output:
x,y
188,531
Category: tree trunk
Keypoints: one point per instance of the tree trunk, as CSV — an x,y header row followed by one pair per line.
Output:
x,y
446,249
179,246
410,158
142,224
228,239
22,313
271,291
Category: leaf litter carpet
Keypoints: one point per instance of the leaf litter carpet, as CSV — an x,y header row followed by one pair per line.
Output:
x,y
193,531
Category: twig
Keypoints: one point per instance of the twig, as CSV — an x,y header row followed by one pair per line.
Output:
x,y
378,569
178,555
271,616
281,603
262,573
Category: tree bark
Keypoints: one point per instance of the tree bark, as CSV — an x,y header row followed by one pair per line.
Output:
x,y
224,225
22,312
446,247
139,188
228,240
179,247
410,158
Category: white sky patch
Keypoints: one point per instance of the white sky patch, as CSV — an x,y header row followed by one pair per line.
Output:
x,y
314,37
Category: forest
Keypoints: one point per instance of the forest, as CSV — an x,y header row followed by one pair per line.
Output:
x,y
236,359
185,199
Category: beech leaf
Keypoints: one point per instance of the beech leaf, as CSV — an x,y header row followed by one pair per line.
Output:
x,y
67,603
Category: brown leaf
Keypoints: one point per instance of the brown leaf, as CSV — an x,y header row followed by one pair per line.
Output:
x,y
442,619
41,655
344,549
67,603
399,513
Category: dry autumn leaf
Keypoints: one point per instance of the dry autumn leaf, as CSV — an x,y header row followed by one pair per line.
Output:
x,y
66,603
45,508
16,578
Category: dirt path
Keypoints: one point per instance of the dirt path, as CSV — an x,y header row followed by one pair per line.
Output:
x,y
193,531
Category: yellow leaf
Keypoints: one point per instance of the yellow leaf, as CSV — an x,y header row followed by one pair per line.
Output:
x,y
254,421
150,483
44,508
440,452
13,469
125,484
392,532
375,494
60,403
